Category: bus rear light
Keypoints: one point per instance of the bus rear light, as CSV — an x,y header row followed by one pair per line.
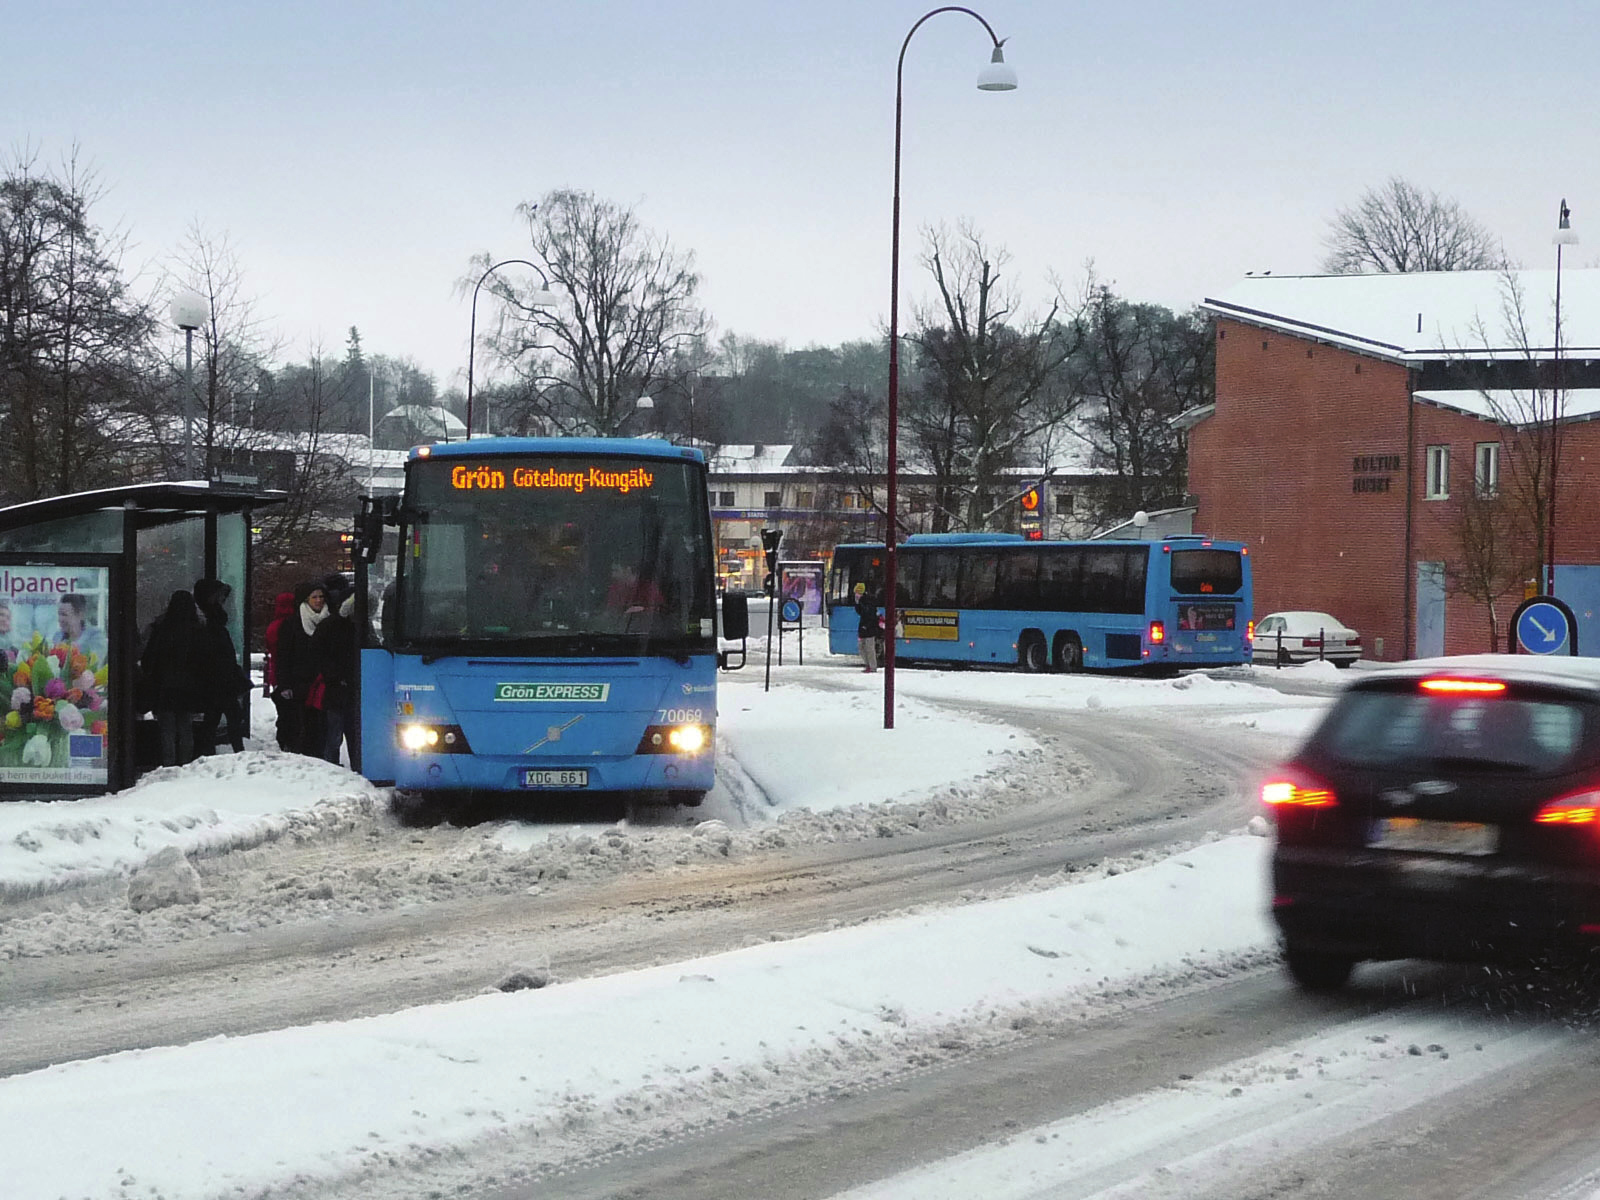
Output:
x,y
1297,791
1158,633
1249,631
1580,808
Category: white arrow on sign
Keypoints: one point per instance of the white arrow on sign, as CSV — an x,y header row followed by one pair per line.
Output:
x,y
1549,634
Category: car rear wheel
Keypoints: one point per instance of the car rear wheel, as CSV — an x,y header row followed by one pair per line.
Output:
x,y
1318,970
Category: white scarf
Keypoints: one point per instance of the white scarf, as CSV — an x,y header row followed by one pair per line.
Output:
x,y
310,618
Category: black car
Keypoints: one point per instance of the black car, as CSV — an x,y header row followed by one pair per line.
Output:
x,y
1444,809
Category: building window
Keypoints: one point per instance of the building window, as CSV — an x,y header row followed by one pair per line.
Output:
x,y
725,499
806,500
774,499
1487,474
1438,479
1063,503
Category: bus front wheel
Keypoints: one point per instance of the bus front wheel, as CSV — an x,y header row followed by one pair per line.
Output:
x,y
1032,654
1069,653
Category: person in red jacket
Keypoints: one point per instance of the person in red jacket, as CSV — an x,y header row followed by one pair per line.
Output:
x,y
288,711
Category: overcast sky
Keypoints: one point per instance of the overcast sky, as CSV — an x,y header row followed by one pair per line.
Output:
x,y
358,154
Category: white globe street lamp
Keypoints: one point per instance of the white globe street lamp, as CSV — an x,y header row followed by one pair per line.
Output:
x,y
189,311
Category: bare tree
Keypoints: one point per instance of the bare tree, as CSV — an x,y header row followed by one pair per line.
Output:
x,y
1493,552
1136,367
72,338
322,484
1397,227
987,378
624,328
1526,402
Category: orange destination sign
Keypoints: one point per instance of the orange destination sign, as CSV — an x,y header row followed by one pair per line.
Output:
x,y
484,478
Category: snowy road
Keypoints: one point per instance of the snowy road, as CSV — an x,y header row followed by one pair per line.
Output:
x,y
969,958
1102,785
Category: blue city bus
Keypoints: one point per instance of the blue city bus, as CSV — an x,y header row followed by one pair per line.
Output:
x,y
1000,599
544,622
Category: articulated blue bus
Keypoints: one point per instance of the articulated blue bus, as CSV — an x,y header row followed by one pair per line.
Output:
x,y
999,599
545,622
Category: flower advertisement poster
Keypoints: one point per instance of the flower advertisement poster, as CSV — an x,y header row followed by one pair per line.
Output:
x,y
54,673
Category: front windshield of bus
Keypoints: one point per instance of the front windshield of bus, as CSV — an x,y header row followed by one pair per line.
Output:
x,y
557,554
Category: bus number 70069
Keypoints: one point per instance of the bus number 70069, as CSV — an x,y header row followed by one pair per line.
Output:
x,y
679,716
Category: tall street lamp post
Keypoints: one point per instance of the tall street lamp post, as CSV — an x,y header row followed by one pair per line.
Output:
x,y
189,310
1564,236
543,298
996,76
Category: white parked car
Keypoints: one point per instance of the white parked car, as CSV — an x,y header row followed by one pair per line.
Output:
x,y
1298,637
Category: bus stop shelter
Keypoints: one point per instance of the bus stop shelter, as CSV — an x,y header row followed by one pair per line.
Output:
x,y
82,577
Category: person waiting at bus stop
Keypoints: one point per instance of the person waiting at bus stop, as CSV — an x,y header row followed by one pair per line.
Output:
x,y
867,628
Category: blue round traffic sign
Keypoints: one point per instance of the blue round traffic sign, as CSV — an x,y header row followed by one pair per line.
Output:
x,y
1543,628
790,610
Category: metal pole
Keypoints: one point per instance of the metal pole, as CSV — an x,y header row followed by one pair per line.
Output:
x,y
1555,413
472,337
188,403
892,530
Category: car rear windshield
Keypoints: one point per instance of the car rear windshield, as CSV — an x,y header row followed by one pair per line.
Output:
x,y
1388,728
1207,572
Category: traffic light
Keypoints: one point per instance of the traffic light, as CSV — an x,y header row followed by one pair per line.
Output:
x,y
769,542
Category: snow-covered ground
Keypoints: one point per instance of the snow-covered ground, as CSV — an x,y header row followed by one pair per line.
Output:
x,y
665,1048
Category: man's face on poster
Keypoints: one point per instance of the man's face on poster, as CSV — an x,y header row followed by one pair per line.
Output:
x,y
70,619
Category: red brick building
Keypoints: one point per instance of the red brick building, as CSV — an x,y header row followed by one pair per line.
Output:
x,y
1360,423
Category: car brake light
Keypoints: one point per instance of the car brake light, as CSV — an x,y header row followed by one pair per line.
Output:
x,y
1580,808
1158,633
1463,687
1310,641
1297,792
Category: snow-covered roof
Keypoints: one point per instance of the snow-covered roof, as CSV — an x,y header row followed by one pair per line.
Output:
x,y
1426,315
1515,406
758,458
427,416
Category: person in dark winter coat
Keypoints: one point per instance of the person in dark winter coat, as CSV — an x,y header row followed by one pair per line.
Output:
x,y
867,628
297,667
173,663
333,648
288,719
225,683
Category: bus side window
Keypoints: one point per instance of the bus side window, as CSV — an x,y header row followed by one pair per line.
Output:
x,y
1018,582
939,579
1062,587
978,580
908,579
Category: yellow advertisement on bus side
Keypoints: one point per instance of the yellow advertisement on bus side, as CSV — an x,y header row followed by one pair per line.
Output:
x,y
930,624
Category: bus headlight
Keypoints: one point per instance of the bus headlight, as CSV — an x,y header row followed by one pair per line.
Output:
x,y
675,739
432,739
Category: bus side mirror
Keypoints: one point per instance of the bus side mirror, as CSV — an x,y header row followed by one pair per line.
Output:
x,y
376,512
735,617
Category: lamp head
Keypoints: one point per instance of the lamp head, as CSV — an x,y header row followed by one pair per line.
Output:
x,y
1565,235
542,298
998,76
189,310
